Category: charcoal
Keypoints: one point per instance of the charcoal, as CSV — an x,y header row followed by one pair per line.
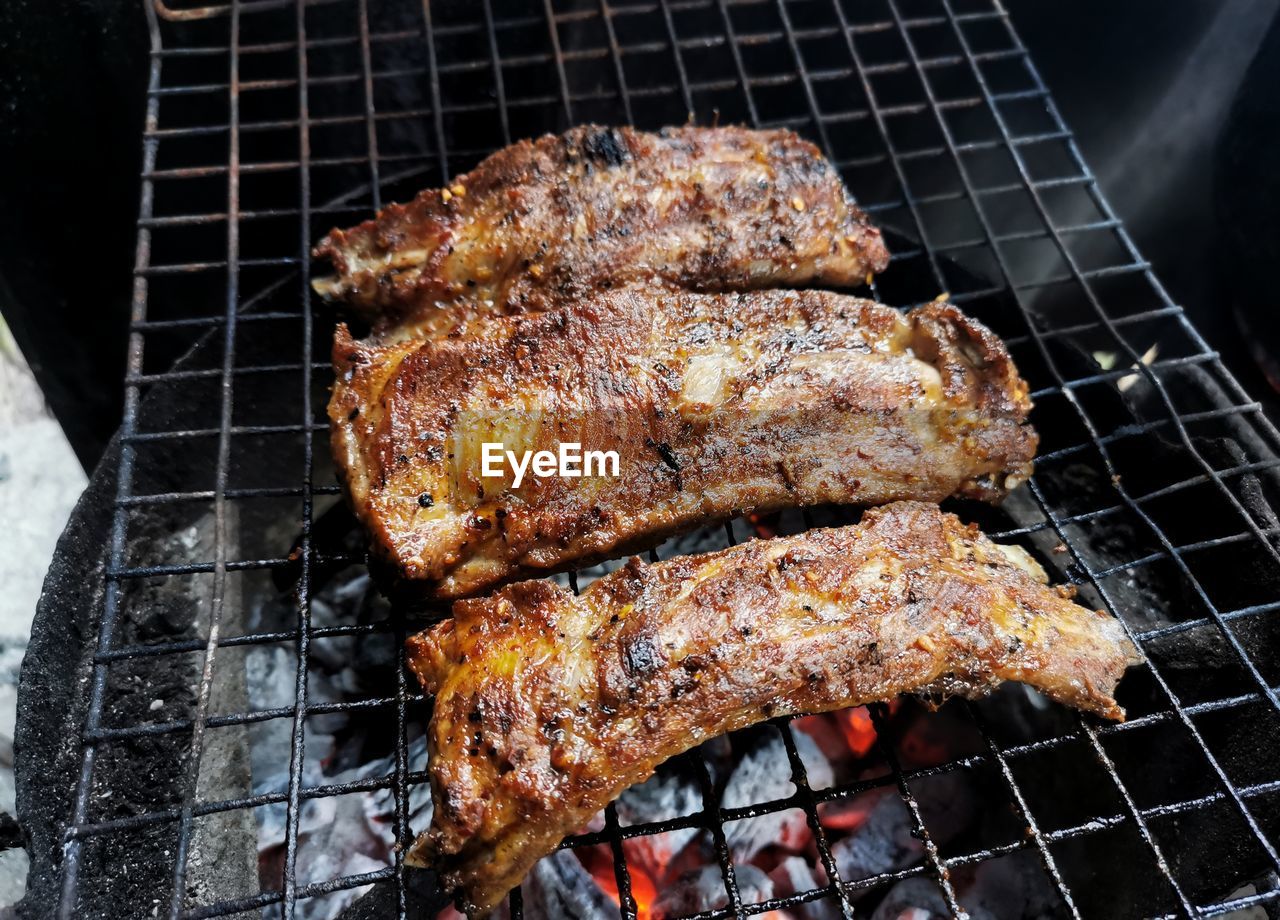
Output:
x,y
342,835
851,814
764,775
559,888
884,841
661,798
947,804
794,875
703,889
717,754
380,806
1012,888
913,899
323,866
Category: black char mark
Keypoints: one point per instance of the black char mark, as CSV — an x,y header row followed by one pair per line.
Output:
x,y
606,146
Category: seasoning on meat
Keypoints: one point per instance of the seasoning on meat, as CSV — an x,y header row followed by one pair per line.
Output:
x,y
548,705
715,403
545,222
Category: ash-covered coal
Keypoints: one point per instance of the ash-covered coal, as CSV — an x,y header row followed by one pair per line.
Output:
x,y
1013,887
798,875
671,793
886,841
560,888
674,871
338,835
704,889
764,775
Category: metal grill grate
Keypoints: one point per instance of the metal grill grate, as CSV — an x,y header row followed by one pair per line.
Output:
x,y
268,122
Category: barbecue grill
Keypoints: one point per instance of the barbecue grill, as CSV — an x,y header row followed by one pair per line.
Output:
x,y
268,122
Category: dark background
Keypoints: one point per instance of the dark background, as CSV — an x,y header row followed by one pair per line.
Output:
x,y
1175,104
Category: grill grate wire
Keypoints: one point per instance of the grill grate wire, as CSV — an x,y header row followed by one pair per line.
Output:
x,y
231,32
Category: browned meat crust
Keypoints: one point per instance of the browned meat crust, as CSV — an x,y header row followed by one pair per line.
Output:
x,y
715,403
548,705
544,222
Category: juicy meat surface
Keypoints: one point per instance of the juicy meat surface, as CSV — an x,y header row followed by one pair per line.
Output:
x,y
548,705
544,222
715,404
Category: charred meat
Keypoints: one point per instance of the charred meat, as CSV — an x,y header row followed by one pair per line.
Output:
x,y
548,705
714,404
542,223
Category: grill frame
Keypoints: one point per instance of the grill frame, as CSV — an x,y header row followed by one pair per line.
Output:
x,y
239,309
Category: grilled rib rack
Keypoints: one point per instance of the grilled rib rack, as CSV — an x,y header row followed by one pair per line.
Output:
x,y
269,122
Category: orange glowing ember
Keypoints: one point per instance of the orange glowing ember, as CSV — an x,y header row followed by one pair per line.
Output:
x,y
851,814
764,525
644,891
844,735
859,731
844,738
598,860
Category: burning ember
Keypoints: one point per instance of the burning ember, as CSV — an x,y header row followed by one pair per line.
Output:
x,y
848,732
774,855
674,873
